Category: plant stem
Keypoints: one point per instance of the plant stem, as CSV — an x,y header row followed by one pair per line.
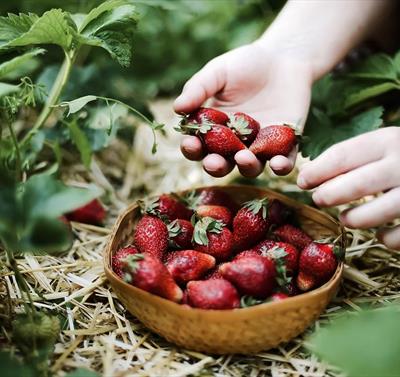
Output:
x,y
54,94
17,150
29,308
138,113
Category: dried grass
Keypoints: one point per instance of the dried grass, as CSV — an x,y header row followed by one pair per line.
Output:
x,y
99,334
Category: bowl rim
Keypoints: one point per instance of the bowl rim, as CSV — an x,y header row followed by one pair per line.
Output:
x,y
187,310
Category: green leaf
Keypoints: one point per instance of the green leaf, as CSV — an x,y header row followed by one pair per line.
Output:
x,y
53,27
43,196
378,66
7,89
80,140
321,131
111,27
11,65
366,344
369,92
12,367
77,104
82,372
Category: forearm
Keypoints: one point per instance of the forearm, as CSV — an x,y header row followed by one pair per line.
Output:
x,y
323,32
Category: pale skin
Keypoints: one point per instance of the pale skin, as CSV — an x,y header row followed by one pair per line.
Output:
x,y
271,79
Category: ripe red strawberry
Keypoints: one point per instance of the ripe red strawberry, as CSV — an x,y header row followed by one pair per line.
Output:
x,y
278,212
208,115
180,233
251,275
151,236
317,264
221,140
148,273
211,196
213,294
216,212
185,300
246,253
188,265
168,207
279,296
272,141
119,258
295,236
262,247
287,254
245,127
91,213
250,224
212,237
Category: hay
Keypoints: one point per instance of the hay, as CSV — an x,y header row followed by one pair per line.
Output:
x,y
100,335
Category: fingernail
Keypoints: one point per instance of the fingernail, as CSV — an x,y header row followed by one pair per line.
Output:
x,y
301,182
316,197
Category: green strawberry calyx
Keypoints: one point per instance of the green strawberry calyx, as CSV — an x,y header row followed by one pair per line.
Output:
x,y
131,265
204,226
174,229
257,205
247,301
240,125
191,128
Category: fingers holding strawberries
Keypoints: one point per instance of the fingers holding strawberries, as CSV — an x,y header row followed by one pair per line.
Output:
x,y
223,141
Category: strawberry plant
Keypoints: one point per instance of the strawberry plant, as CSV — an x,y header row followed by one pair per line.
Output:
x,y
32,199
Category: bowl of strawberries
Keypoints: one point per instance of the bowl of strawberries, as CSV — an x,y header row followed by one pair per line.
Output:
x,y
225,269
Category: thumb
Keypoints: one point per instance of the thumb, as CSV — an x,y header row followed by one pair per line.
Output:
x,y
203,85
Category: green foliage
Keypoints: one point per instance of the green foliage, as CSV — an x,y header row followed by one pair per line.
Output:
x,y
365,344
344,106
12,367
82,372
30,211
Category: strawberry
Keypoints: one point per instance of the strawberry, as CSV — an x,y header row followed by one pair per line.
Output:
x,y
262,247
288,254
212,237
245,127
278,212
180,233
167,206
208,115
119,257
148,273
213,294
252,275
246,253
273,141
188,265
317,264
91,213
185,300
211,196
151,236
295,236
250,224
221,140
278,296
216,212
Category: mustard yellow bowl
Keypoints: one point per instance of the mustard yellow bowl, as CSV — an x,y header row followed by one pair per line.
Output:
x,y
246,330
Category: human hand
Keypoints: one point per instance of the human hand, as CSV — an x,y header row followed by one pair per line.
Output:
x,y
364,165
271,86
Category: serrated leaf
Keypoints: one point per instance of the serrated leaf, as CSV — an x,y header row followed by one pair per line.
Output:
x,y
369,92
378,66
81,142
321,131
366,344
11,65
12,26
53,27
111,28
77,104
